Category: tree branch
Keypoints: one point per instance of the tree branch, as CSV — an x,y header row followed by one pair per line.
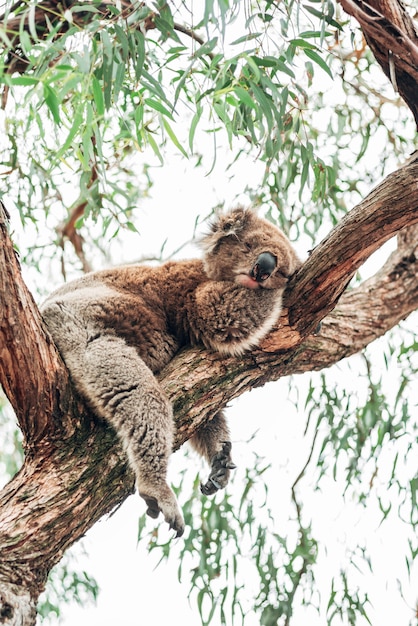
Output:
x,y
200,383
386,210
393,39
32,373
318,285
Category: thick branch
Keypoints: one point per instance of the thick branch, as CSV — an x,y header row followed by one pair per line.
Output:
x,y
389,208
55,498
315,290
361,316
368,312
393,39
31,372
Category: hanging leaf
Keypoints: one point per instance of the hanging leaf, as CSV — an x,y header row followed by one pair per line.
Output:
x,y
314,56
52,103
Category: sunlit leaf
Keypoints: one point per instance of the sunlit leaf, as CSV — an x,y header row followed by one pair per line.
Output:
x,y
157,106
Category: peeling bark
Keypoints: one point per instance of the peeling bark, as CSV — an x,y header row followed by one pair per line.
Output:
x,y
393,39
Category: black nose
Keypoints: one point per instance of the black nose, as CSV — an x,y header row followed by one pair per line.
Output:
x,y
263,267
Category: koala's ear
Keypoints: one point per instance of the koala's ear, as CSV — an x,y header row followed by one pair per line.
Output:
x,y
225,225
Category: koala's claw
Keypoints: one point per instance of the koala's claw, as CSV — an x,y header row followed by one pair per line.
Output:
x,y
221,467
171,513
153,510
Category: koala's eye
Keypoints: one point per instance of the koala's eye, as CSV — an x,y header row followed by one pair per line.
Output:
x,y
248,246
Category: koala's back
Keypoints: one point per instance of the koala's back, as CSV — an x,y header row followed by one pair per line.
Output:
x,y
145,306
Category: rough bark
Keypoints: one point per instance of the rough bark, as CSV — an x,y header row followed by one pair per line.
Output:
x,y
74,470
393,39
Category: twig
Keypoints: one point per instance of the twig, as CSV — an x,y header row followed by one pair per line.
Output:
x,y
189,32
373,22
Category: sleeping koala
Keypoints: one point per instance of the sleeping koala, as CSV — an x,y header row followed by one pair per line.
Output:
x,y
116,328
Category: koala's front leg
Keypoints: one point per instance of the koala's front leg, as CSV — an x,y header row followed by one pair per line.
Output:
x,y
221,466
212,442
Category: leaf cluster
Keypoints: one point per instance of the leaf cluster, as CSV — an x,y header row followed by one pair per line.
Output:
x,y
93,95
66,585
229,547
363,439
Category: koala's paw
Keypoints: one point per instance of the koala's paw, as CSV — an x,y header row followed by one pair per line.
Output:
x,y
221,467
167,505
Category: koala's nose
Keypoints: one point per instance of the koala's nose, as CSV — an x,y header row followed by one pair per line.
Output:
x,y
263,267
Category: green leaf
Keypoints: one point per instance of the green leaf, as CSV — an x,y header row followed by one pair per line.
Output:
x,y
78,119
52,103
173,137
157,106
154,146
245,38
301,43
32,23
107,44
254,67
137,48
81,8
316,58
107,82
154,86
184,75
265,104
206,48
23,80
5,39
26,43
322,16
305,169
118,80
98,96
314,34
245,97
123,40
193,125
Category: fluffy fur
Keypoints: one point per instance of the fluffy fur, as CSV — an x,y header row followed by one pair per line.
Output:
x,y
116,328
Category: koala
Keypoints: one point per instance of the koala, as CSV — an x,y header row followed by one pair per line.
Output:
x,y
117,328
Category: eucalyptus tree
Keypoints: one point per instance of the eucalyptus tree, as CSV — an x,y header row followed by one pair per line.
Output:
x,y
92,92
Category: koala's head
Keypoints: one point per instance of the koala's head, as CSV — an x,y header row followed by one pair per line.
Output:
x,y
249,251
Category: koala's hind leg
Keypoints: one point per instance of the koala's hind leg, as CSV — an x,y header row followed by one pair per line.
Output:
x,y
122,389
128,395
212,442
